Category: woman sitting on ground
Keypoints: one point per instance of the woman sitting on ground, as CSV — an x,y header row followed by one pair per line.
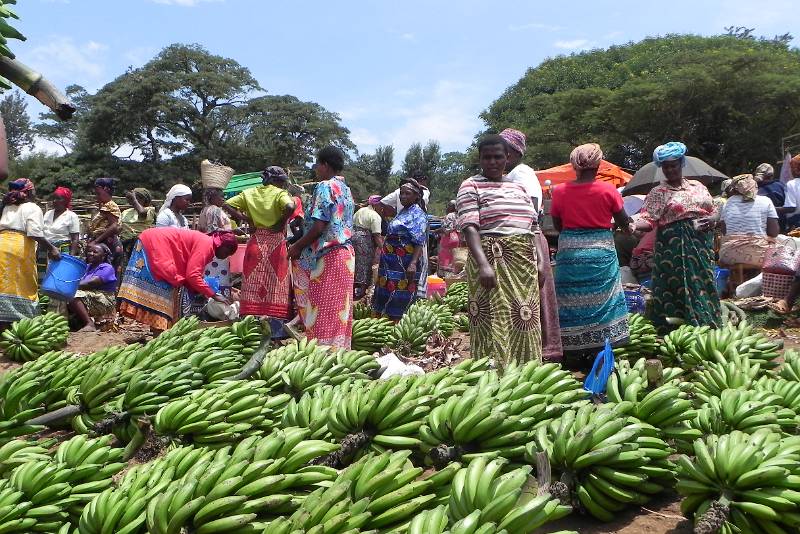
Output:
x,y
95,298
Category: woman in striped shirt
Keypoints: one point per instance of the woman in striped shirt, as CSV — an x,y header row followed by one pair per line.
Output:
x,y
495,216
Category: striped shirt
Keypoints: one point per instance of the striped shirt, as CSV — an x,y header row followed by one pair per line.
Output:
x,y
495,208
749,218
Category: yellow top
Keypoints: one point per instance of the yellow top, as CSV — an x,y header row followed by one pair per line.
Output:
x,y
264,205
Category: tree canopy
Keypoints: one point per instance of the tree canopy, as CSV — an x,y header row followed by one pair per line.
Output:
x,y
729,98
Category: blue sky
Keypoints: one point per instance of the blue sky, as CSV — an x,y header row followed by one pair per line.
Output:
x,y
396,72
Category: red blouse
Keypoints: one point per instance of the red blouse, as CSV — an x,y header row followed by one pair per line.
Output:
x,y
179,257
585,206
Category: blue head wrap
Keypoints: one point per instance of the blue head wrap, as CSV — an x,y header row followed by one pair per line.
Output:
x,y
670,151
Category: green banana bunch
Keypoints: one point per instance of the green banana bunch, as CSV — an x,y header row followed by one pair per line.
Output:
x,y
791,365
361,310
17,452
462,322
715,377
29,338
371,335
630,382
44,303
787,390
606,460
223,414
311,410
731,313
14,507
742,482
746,411
481,495
457,297
675,345
148,391
732,343
248,330
643,340
420,321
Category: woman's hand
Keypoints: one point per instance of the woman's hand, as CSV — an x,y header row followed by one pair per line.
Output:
x,y
221,299
705,224
54,254
294,252
411,273
487,277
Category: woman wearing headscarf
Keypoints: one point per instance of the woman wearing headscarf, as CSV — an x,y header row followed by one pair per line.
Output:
x,y
266,287
367,244
138,218
166,267
449,239
95,299
748,221
523,174
21,228
178,200
62,227
495,216
400,265
323,272
591,303
683,256
104,226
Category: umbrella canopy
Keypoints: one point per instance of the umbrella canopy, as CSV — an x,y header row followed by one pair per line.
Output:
x,y
649,176
608,172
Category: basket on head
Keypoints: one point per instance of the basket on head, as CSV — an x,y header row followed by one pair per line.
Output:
x,y
215,174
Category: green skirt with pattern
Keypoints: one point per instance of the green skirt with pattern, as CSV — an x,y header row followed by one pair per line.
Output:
x,y
504,321
683,277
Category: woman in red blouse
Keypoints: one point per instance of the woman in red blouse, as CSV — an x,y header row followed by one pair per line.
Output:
x,y
683,256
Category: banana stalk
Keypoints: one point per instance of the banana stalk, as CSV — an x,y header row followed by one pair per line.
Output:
x,y
37,86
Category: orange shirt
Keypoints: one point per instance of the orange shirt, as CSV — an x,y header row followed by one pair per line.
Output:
x,y
179,257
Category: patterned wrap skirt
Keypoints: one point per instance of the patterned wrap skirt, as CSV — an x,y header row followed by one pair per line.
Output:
x,y
364,249
18,280
147,300
324,297
683,277
393,292
591,303
552,350
266,284
504,321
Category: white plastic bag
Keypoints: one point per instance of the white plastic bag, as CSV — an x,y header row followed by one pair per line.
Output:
x,y
394,367
751,288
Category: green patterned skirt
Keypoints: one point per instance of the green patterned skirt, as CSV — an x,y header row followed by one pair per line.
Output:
x,y
504,321
683,277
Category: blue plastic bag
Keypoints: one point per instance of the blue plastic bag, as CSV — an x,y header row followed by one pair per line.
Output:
x,y
603,366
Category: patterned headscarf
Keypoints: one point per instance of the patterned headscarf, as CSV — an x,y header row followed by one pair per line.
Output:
x,y
668,152
107,183
18,191
177,190
794,165
65,193
745,185
515,139
144,194
273,172
765,170
223,238
374,199
417,188
586,156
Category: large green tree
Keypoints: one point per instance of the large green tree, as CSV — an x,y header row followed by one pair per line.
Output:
x,y
19,131
729,98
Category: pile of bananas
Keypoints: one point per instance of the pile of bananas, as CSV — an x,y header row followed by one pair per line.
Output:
x,y
361,310
250,332
371,335
730,343
744,410
606,461
679,342
457,297
27,339
462,322
791,365
716,377
44,303
643,341
422,319
741,482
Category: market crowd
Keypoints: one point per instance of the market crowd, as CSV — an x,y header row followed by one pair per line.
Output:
x,y
307,256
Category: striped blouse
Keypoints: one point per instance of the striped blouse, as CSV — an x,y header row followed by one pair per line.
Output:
x,y
496,208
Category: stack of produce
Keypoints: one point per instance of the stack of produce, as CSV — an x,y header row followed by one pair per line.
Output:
x,y
27,339
791,365
371,335
457,297
249,331
361,310
679,342
730,343
605,460
462,322
643,341
744,410
715,377
422,319
740,482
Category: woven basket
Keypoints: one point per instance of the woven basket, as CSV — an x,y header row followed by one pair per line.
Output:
x,y
776,286
215,174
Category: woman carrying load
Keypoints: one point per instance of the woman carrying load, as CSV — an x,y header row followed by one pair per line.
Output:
x,y
266,287
496,216
400,265
591,304
166,264
21,228
683,257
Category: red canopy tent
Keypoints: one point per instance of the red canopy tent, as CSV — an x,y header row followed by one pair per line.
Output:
x,y
608,172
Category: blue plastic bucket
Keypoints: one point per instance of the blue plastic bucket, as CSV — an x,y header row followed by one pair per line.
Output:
x,y
721,279
62,277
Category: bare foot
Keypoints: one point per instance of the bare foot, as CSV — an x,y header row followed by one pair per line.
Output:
x,y
88,328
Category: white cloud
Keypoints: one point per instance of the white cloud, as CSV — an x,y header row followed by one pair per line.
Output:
x,y
184,3
408,36
574,44
534,26
62,59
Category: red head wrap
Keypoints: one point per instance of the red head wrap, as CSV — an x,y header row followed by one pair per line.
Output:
x,y
223,238
65,193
